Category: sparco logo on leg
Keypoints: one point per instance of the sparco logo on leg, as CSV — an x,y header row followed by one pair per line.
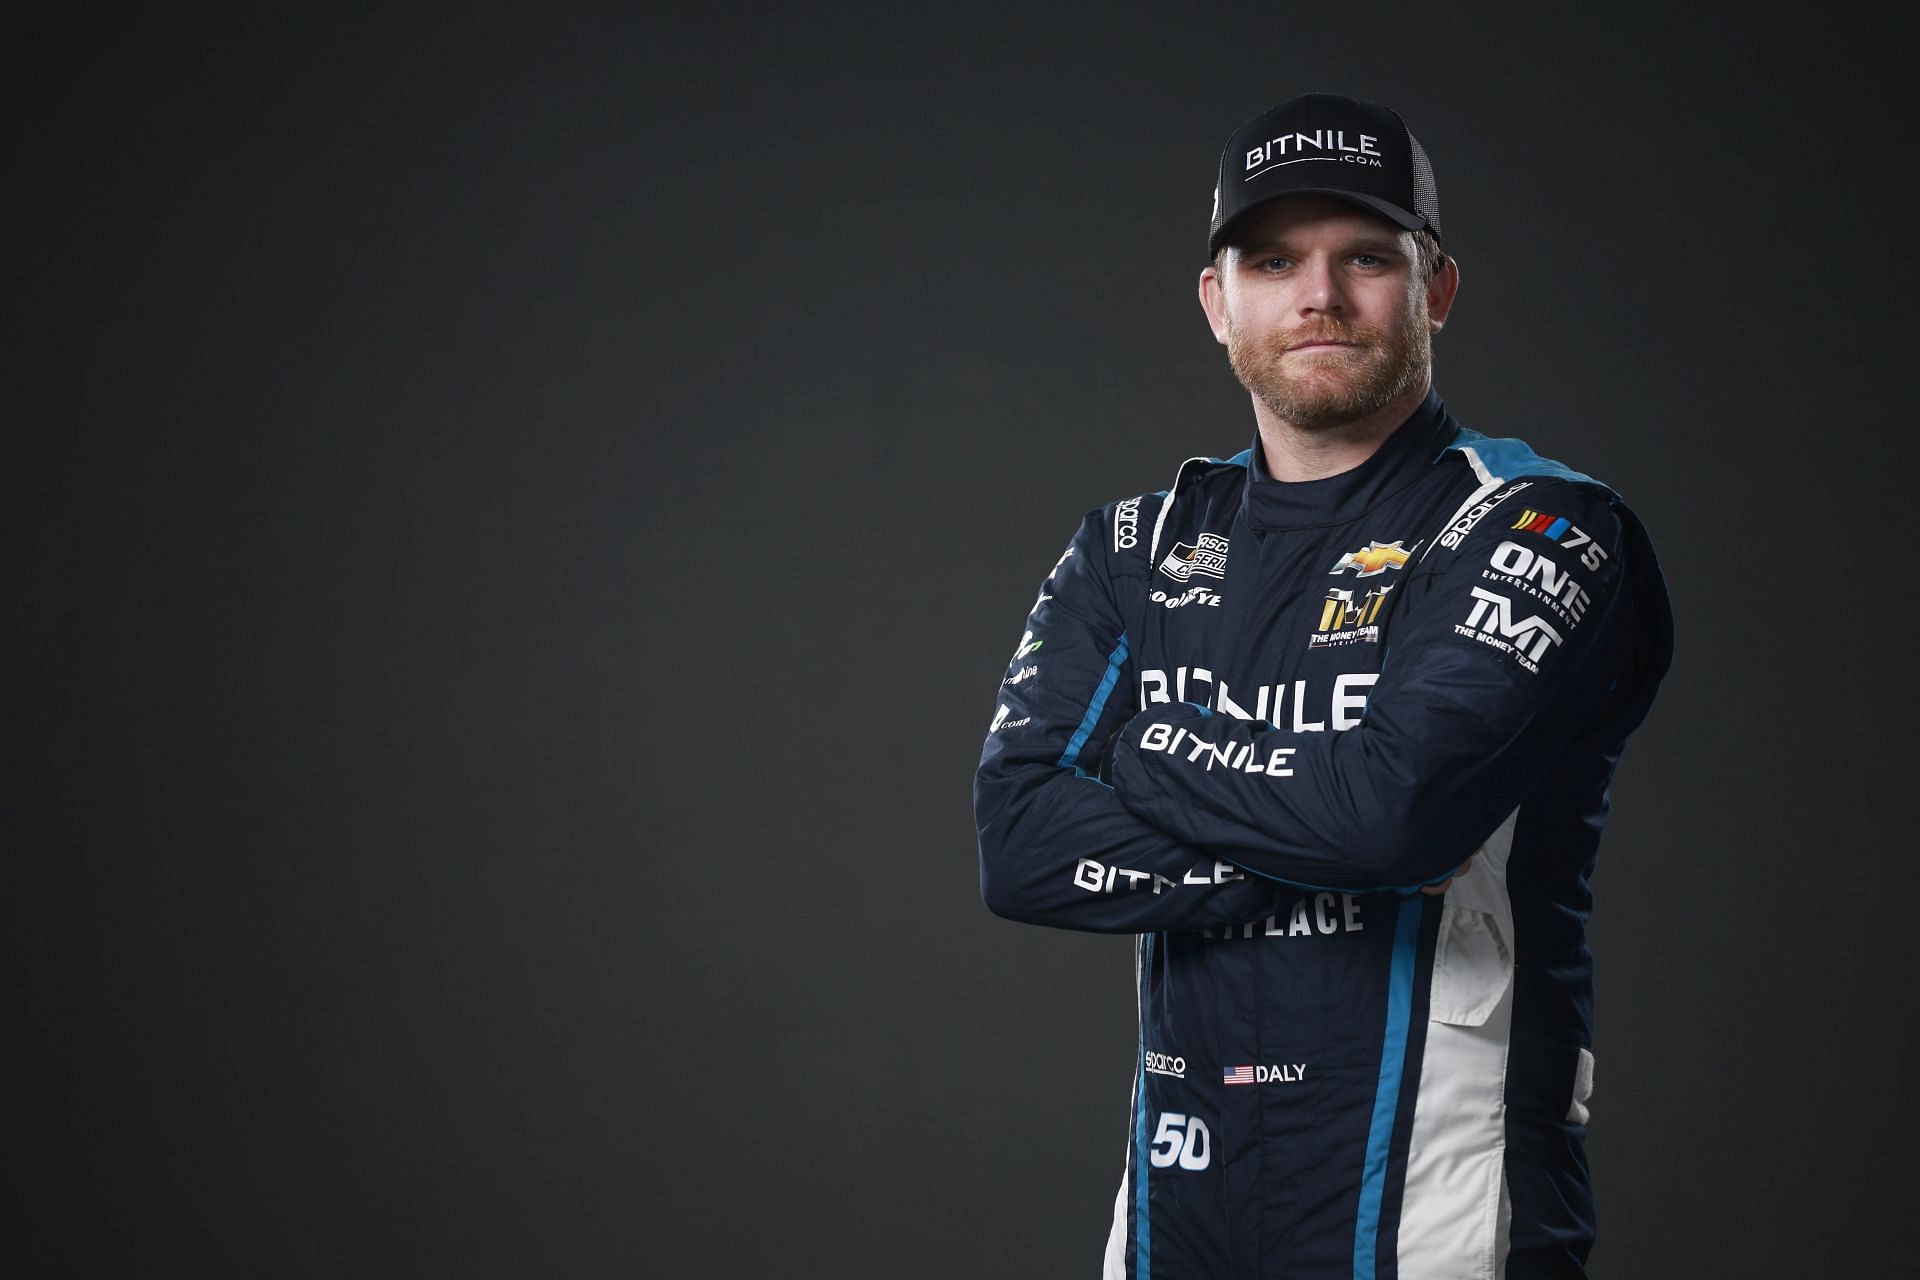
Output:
x,y
1167,1064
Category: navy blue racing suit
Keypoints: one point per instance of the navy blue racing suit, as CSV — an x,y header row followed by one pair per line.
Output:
x,y
1247,721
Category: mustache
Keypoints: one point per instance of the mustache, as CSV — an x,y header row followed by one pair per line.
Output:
x,y
1354,336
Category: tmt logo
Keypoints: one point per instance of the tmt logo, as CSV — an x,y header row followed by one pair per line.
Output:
x,y
1493,614
1344,620
1340,610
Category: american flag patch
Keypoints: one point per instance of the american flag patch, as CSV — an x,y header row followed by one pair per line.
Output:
x,y
1237,1075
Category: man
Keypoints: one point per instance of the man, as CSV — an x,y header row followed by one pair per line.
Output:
x,y
1330,724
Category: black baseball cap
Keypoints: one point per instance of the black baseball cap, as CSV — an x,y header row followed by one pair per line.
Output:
x,y
1326,144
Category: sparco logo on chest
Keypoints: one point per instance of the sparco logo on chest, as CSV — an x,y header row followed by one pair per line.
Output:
x,y
1126,524
1167,1064
1207,555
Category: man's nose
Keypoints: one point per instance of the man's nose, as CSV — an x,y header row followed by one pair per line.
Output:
x,y
1320,287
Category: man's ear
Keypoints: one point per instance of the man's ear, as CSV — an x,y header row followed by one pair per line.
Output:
x,y
1213,301
1440,291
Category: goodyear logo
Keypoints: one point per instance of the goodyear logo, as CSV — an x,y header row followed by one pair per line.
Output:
x,y
1373,560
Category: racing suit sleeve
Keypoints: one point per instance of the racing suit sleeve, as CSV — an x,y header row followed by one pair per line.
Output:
x,y
1056,845
1495,659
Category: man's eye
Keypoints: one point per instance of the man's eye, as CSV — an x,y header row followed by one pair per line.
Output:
x,y
1366,260
1275,264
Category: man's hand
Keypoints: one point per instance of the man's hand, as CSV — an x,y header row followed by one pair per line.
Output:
x,y
1458,871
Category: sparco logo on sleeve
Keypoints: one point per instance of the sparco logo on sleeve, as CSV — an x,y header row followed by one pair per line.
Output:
x,y
1208,556
1457,533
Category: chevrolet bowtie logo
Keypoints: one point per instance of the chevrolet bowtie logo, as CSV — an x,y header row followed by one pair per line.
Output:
x,y
1375,559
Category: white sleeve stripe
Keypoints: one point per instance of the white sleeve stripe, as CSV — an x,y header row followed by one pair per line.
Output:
x,y
1479,468
1153,547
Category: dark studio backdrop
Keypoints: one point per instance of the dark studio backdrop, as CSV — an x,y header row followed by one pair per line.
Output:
x,y
520,519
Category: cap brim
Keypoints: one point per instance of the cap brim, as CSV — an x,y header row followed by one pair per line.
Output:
x,y
1387,209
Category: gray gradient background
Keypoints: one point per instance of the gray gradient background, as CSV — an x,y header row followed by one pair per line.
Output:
x,y
521,521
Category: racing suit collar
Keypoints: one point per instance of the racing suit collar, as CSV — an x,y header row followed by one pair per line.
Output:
x,y
1271,504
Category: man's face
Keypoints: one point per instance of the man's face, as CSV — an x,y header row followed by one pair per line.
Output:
x,y
1322,310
